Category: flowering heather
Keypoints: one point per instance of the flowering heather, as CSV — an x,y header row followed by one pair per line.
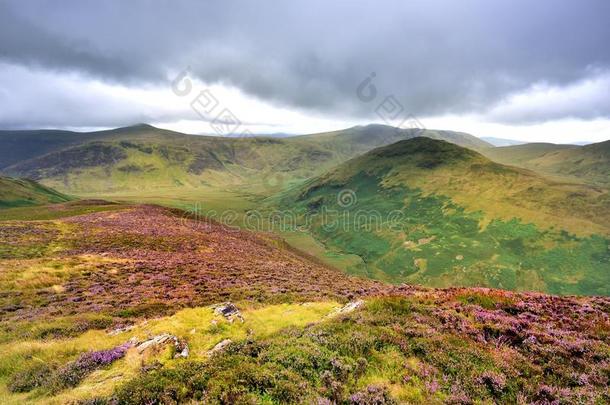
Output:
x,y
73,373
24,240
380,354
155,262
373,395
403,344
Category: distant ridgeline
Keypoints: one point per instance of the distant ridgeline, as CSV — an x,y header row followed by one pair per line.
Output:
x,y
144,158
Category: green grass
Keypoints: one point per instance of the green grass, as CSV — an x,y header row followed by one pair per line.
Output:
x,y
439,242
588,164
307,243
21,192
201,328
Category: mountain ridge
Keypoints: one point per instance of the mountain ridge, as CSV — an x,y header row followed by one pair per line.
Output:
x,y
445,215
588,163
192,160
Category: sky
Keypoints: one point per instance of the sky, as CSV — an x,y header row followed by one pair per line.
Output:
x,y
526,70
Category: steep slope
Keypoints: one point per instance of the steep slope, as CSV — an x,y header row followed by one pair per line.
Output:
x,y
17,146
589,163
24,192
130,307
143,158
431,212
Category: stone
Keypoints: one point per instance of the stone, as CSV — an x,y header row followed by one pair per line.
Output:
x,y
120,330
349,307
229,311
182,349
221,346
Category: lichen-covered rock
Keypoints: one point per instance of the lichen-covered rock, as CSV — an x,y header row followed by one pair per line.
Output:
x,y
182,349
220,347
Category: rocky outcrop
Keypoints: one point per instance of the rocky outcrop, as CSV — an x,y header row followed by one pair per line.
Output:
x,y
182,349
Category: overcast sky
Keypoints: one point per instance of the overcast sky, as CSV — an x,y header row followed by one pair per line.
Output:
x,y
529,70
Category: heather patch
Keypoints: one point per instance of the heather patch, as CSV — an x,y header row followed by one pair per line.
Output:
x,y
94,362
149,261
142,272
381,352
424,346
24,240
54,378
73,373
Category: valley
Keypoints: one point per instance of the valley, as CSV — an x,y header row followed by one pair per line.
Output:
x,y
109,302
304,203
459,218
368,264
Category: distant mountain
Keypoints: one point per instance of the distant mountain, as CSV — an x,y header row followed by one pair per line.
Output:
x,y
442,215
501,141
17,146
360,139
143,157
589,163
272,135
23,192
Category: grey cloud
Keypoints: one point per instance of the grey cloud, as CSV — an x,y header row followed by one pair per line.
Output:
x,y
31,99
434,56
587,99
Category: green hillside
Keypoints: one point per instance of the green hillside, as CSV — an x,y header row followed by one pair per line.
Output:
x,y
24,192
433,213
144,159
589,163
464,220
